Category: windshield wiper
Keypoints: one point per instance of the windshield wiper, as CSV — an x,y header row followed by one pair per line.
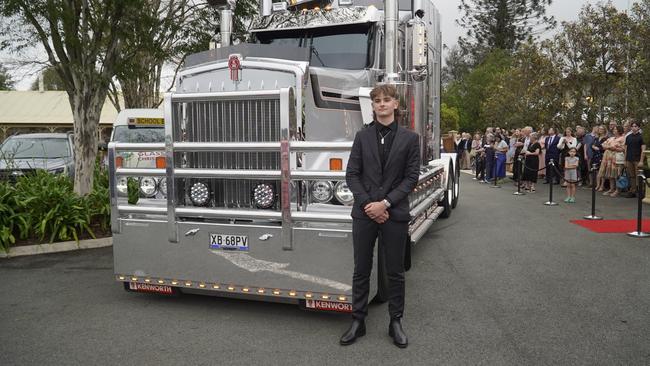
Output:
x,y
313,50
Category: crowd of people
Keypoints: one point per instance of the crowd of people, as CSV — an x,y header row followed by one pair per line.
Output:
x,y
566,158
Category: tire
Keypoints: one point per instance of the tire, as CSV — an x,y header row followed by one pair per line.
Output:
x,y
454,201
448,197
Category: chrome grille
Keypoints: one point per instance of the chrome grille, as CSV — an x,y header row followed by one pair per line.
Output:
x,y
254,120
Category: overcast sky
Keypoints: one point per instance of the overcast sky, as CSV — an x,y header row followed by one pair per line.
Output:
x,y
563,10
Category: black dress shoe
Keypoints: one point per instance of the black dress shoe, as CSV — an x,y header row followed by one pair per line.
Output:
x,y
397,333
357,329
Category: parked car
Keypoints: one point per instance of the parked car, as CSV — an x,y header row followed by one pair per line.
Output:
x,y
22,154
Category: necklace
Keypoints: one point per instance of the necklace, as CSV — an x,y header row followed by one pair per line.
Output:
x,y
384,136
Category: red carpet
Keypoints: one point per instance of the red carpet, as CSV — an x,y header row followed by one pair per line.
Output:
x,y
612,226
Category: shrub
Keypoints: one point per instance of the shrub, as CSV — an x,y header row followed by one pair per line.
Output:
x,y
54,210
98,201
11,219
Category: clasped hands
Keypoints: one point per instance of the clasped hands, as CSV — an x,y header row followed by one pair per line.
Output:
x,y
377,212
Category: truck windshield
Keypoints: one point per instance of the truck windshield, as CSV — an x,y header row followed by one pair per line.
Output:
x,y
341,47
29,148
139,134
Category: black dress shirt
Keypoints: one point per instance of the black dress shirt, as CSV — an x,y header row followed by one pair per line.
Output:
x,y
385,133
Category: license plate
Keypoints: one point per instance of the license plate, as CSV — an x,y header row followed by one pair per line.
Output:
x,y
228,242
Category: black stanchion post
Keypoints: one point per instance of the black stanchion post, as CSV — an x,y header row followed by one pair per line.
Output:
x,y
494,171
593,195
639,219
550,185
520,172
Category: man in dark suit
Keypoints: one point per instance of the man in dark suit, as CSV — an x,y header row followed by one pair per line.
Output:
x,y
464,149
552,152
384,167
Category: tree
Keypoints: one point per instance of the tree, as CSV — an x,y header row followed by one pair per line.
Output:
x,y
449,118
592,54
51,80
639,72
81,39
527,93
502,24
469,94
457,64
166,31
6,83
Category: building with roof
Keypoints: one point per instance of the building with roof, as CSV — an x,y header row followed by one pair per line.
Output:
x,y
45,111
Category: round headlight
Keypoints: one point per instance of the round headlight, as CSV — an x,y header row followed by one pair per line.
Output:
x,y
343,193
122,185
321,191
148,186
264,195
199,194
162,186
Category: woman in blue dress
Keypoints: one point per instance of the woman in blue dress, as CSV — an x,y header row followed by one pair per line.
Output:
x,y
501,149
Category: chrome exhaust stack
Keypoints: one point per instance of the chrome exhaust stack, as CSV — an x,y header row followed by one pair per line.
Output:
x,y
266,7
225,27
391,23
226,9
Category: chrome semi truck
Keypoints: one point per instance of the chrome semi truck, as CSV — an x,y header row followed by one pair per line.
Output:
x,y
257,138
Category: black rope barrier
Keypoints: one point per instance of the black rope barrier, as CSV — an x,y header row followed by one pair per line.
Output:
x,y
550,185
641,187
593,216
559,173
520,159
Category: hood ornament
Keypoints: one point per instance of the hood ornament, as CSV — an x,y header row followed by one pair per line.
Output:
x,y
234,65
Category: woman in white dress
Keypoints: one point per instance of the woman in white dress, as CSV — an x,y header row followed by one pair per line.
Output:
x,y
567,142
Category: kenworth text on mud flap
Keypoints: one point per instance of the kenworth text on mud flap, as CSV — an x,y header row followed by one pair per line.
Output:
x,y
257,138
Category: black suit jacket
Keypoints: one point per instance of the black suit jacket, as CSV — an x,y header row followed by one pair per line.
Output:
x,y
400,174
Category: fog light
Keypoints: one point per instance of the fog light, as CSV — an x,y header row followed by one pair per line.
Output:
x,y
264,196
343,193
148,186
122,185
199,194
321,191
162,186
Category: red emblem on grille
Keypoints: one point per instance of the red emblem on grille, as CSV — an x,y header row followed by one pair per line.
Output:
x,y
234,64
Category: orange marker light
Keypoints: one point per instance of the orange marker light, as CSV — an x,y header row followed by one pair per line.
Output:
x,y
119,161
161,163
336,164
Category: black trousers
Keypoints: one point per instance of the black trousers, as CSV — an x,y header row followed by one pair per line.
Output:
x,y
393,245
480,167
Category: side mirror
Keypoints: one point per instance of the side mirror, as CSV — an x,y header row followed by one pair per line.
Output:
x,y
102,146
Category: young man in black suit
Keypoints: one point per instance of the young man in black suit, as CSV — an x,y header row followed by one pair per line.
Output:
x,y
384,167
